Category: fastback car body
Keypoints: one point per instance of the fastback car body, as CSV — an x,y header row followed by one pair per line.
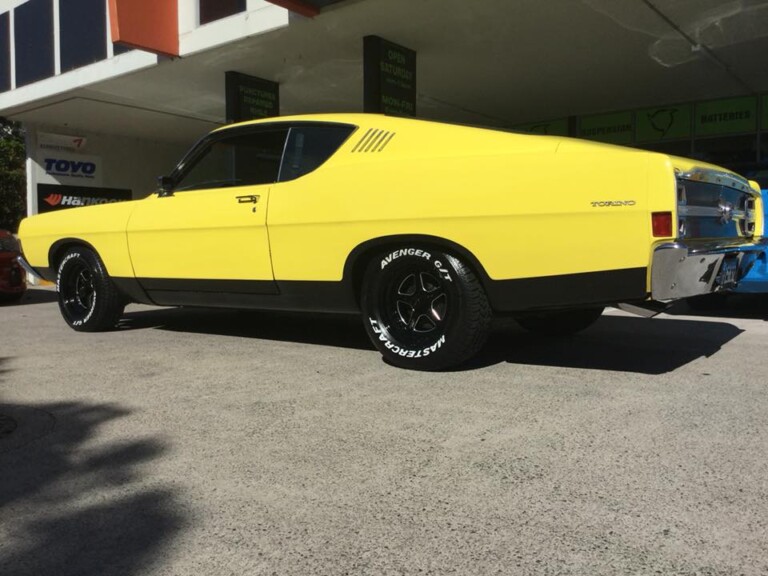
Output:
x,y
426,228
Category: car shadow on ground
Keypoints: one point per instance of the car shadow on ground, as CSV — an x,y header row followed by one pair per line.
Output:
x,y
342,331
615,343
71,506
619,343
745,306
35,295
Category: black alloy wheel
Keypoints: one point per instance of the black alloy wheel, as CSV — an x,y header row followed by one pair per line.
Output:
x,y
88,299
424,309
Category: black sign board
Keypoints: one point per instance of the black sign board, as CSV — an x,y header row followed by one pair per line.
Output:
x,y
389,78
52,197
249,97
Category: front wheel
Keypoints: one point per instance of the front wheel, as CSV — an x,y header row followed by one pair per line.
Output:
x,y
424,309
88,299
560,322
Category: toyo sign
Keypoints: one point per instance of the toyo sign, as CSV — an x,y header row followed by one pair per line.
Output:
x,y
60,160
74,168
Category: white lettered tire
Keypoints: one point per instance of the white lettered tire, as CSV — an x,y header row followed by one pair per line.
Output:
x,y
423,308
88,300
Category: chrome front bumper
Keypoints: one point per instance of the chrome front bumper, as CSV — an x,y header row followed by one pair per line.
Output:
x,y
29,270
680,271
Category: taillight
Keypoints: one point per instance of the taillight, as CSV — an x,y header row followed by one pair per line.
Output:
x,y
662,224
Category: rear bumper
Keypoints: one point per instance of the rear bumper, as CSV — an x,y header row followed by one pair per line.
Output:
x,y
679,271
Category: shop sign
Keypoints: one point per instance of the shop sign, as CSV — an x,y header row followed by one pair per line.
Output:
x,y
729,116
615,128
67,168
52,197
550,128
389,77
249,97
60,142
663,123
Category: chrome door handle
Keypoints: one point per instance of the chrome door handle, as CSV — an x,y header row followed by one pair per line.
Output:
x,y
249,199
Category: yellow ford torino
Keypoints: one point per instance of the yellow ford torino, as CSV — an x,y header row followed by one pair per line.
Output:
x,y
426,229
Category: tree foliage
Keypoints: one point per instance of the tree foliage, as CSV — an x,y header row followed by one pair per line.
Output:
x,y
13,188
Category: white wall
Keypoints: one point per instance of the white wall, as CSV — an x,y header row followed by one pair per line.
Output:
x,y
123,162
259,17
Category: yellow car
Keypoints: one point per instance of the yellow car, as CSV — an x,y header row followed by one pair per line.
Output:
x,y
427,229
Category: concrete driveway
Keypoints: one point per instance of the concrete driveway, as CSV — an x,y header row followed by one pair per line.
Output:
x,y
218,442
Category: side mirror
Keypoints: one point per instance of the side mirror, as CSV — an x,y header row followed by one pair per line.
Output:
x,y
165,186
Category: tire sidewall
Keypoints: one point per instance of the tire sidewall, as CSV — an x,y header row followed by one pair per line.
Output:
x,y
383,273
68,265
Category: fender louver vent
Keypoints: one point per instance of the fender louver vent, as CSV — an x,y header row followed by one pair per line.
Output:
x,y
374,141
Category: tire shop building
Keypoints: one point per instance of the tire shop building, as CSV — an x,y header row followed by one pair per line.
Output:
x,y
112,92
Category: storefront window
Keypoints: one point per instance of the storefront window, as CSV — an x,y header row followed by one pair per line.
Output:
x,y
33,30
5,52
83,27
211,10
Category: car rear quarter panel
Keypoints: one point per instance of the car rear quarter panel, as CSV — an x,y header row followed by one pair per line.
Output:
x,y
523,205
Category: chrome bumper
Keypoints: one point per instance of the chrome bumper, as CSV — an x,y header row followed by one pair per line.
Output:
x,y
680,271
27,268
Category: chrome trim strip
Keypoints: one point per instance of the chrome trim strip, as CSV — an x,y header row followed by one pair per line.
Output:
x,y
27,267
713,212
710,176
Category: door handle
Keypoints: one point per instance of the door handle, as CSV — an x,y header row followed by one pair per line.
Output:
x,y
249,199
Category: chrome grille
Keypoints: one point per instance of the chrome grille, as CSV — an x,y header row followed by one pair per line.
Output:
x,y
714,204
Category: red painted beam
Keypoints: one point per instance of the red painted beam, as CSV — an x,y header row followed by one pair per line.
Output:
x,y
151,25
297,6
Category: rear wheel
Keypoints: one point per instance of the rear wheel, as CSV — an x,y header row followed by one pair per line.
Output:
x,y
88,299
560,322
424,309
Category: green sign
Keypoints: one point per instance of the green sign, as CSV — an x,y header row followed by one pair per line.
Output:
x,y
616,128
551,128
663,123
389,77
729,116
249,97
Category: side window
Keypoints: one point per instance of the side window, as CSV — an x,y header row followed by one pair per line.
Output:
x,y
309,146
241,160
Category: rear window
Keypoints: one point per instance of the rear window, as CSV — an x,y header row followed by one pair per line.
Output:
x,y
308,147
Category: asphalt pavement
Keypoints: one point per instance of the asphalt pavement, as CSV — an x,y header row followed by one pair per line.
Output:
x,y
215,442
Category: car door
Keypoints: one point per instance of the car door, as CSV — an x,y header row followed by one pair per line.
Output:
x,y
207,234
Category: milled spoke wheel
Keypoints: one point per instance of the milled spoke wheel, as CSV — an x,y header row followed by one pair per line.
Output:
x,y
421,303
77,292
88,299
424,308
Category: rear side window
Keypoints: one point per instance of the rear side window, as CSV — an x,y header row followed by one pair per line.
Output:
x,y
310,146
241,160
